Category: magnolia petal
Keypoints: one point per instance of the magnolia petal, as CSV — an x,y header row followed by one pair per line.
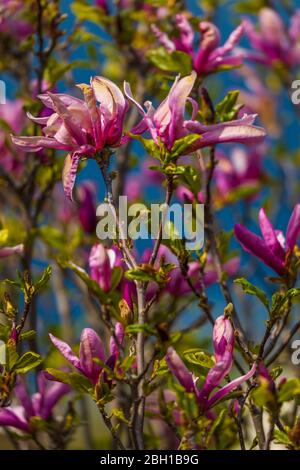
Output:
x,y
257,247
215,376
293,229
11,250
66,99
69,173
68,120
66,351
91,347
35,144
178,368
163,38
91,103
13,416
231,386
177,102
270,235
52,395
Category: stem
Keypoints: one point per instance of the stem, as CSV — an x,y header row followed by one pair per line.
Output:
x,y
256,414
140,356
168,198
111,428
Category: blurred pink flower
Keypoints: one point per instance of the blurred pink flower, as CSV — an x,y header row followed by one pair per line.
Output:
x,y
39,404
12,19
14,117
82,128
272,42
6,251
242,170
210,55
178,286
273,249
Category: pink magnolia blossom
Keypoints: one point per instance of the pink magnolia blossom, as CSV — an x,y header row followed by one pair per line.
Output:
x,y
91,347
167,123
177,286
11,159
272,42
223,342
101,263
6,251
82,128
273,248
210,56
39,404
12,19
243,170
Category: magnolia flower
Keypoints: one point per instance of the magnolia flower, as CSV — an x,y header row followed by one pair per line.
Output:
x,y
273,42
102,260
223,342
13,115
11,250
82,128
273,249
12,18
91,347
243,170
177,286
210,56
167,123
39,404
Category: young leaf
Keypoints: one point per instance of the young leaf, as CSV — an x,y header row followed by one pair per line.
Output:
x,y
253,290
28,361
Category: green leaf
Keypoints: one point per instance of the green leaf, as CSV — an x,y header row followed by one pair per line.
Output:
x,y
27,335
227,109
282,438
253,290
181,145
77,381
44,279
289,390
116,277
175,61
28,361
151,147
199,357
92,285
85,12
136,328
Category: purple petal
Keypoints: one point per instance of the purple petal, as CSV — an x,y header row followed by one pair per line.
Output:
x,y
11,250
13,416
231,386
215,376
91,347
70,172
163,38
69,120
293,229
53,394
34,144
269,235
91,103
178,368
257,247
66,351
